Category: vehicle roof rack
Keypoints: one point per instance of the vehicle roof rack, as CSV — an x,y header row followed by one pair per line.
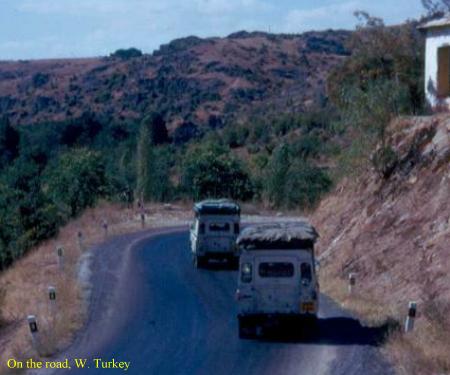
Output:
x,y
282,236
217,207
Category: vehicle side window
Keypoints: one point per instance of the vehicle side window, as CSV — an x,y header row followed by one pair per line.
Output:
x,y
201,228
219,227
236,228
306,272
246,272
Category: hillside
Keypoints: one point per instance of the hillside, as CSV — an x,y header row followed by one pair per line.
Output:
x,y
199,82
394,233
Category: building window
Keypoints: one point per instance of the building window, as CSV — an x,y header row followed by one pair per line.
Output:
x,y
443,72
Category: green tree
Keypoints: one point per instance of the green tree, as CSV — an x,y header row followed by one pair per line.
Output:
x,y
305,185
126,54
144,163
382,79
9,143
292,181
382,53
75,180
209,170
10,226
277,173
434,7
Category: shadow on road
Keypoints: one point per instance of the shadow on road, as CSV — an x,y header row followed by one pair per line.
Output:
x,y
332,331
220,266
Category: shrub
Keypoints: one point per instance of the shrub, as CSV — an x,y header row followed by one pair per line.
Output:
x,y
126,54
40,79
294,182
384,160
209,170
76,180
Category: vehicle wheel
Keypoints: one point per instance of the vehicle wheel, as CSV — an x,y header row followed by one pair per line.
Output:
x,y
246,329
200,261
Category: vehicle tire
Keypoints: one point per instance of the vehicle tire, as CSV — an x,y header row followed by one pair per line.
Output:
x,y
246,329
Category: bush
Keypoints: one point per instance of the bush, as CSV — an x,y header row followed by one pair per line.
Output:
x,y
385,160
209,170
293,182
126,54
76,180
9,143
40,79
305,185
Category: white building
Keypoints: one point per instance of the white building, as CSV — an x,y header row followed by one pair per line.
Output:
x,y
437,63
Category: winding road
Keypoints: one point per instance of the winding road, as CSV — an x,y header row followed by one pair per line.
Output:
x,y
151,308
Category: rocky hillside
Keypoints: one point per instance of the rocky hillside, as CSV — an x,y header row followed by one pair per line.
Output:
x,y
198,82
394,233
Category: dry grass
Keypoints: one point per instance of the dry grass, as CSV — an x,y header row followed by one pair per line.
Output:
x,y
24,286
371,312
424,351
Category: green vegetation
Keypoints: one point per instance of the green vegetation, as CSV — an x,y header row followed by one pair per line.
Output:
x,y
381,80
50,172
127,54
292,181
144,181
74,180
209,170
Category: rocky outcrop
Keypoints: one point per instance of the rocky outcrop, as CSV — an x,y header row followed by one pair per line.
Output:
x,y
394,232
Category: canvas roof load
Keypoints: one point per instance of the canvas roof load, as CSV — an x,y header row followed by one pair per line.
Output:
x,y
292,235
217,207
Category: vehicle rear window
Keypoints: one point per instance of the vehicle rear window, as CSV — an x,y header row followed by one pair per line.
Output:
x,y
276,269
219,227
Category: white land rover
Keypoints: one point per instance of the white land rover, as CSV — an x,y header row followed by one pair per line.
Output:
x,y
214,231
277,277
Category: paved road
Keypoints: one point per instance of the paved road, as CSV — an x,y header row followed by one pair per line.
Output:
x,y
173,319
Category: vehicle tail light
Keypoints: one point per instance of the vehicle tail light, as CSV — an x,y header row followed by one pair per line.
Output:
x,y
246,272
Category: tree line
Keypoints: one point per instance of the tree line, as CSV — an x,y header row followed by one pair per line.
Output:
x,y
49,173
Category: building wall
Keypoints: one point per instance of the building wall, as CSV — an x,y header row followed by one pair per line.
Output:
x,y
436,38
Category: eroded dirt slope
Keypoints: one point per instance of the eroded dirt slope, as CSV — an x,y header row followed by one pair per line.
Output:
x,y
394,233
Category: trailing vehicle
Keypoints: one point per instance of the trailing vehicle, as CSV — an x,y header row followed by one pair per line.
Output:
x,y
214,231
277,277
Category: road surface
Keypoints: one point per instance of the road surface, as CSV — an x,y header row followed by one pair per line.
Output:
x,y
153,309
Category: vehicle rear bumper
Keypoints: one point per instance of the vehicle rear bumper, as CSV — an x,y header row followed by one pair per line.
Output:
x,y
219,254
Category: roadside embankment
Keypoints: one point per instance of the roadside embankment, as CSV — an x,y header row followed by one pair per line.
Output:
x,y
393,233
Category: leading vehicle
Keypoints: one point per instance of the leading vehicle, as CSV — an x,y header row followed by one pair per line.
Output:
x,y
214,232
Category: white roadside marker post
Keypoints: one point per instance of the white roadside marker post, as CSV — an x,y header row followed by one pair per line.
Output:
x,y
80,240
142,216
105,227
32,324
60,255
412,312
351,283
52,301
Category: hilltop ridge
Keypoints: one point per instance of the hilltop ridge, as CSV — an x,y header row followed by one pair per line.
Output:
x,y
205,82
